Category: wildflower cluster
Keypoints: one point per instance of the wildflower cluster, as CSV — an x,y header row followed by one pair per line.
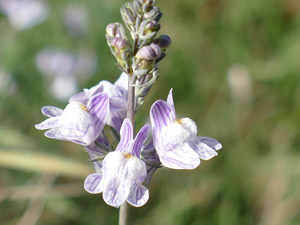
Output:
x,y
168,141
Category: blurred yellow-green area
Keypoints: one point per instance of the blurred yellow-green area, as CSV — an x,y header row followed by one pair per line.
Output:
x,y
234,68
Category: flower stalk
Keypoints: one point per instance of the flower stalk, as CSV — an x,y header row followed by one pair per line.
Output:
x,y
123,213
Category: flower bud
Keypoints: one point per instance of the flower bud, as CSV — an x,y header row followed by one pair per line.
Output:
x,y
152,26
158,16
138,6
150,52
146,8
116,30
164,41
120,43
152,13
127,15
111,29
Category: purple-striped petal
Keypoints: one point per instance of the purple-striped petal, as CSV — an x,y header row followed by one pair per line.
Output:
x,y
138,196
92,183
81,124
80,97
118,104
110,89
51,111
122,84
139,140
49,123
115,120
170,100
161,115
206,147
211,142
150,172
181,157
121,171
67,134
126,134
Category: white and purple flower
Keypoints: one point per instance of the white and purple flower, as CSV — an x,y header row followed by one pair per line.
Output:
x,y
79,122
123,171
176,140
117,94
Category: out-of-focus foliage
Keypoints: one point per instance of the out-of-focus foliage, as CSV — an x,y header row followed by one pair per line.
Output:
x,y
234,66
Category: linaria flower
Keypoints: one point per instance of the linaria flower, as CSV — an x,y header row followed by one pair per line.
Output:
x,y
122,171
81,123
176,140
117,94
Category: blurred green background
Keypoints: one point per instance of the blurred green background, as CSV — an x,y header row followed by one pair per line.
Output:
x,y
234,66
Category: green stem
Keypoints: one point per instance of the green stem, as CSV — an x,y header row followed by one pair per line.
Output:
x,y
130,115
123,214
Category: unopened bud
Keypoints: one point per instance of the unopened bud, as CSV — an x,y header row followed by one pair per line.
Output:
x,y
152,26
153,13
149,52
158,16
111,29
138,6
120,43
146,8
116,30
164,41
127,15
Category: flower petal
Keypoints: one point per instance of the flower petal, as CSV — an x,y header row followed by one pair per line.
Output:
x,y
92,183
170,99
80,97
51,111
213,143
120,174
174,134
122,84
205,147
78,123
67,134
49,123
98,107
150,172
126,134
115,119
138,196
181,157
161,115
110,89
140,140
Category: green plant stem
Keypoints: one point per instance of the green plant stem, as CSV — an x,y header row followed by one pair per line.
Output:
x,y
130,115
123,214
131,100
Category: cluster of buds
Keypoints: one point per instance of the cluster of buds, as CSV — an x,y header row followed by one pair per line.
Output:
x,y
119,45
139,60
141,18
